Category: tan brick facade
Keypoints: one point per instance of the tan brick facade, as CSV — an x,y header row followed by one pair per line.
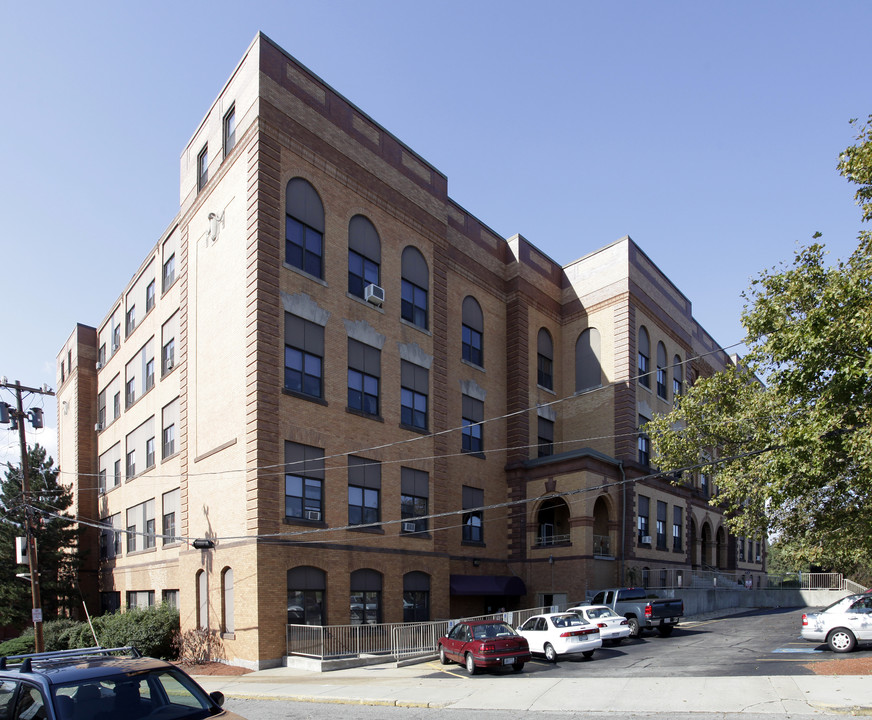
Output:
x,y
231,415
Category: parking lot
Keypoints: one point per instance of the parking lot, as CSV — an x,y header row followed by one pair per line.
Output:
x,y
758,642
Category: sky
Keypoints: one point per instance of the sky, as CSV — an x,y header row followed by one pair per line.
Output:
x,y
708,132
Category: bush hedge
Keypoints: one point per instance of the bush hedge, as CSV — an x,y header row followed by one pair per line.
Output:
x,y
149,630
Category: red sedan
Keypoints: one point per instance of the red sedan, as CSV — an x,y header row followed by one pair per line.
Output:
x,y
484,644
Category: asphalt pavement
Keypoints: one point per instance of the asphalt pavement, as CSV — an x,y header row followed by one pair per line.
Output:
x,y
435,686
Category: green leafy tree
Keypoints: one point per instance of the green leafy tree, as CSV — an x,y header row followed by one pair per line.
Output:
x,y
56,540
791,426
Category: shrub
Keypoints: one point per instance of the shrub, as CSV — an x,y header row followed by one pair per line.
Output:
x,y
57,633
21,645
198,646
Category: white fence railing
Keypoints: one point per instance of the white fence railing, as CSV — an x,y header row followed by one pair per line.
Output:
x,y
401,641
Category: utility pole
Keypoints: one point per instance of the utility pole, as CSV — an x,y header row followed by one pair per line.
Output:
x,y
18,416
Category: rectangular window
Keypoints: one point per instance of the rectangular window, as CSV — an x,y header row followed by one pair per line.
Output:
x,y
677,529
101,480
130,393
661,382
364,489
304,356
101,409
149,453
546,437
149,296
413,304
361,272
169,273
171,598
171,503
101,355
116,338
414,393
140,599
414,500
140,526
131,320
473,516
644,375
131,464
364,372
473,415
116,405
644,443
168,441
304,482
202,168
740,544
472,346
117,479
303,247
149,375
644,535
661,525
545,372
229,130
168,356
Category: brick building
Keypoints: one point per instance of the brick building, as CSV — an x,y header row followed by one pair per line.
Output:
x,y
362,403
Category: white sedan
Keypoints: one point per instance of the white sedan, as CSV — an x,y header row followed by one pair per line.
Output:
x,y
612,626
556,634
841,625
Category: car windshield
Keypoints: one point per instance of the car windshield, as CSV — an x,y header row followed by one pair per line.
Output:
x,y
166,692
492,630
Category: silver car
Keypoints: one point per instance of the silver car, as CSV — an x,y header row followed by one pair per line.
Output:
x,y
841,625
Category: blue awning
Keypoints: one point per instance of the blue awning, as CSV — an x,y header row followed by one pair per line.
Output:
x,y
487,585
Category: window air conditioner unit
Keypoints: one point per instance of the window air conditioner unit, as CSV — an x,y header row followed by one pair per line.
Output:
x,y
646,539
313,514
374,294
759,558
98,427
99,365
409,527
170,363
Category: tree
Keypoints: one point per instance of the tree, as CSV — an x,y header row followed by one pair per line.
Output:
x,y
790,427
56,539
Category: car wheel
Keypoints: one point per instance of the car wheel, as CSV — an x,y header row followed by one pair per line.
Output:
x,y
470,664
841,640
635,630
443,658
665,630
517,667
588,654
550,653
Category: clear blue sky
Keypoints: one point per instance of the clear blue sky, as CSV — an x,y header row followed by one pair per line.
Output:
x,y
708,132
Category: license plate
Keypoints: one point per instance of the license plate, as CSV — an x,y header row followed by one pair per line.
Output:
x,y
509,661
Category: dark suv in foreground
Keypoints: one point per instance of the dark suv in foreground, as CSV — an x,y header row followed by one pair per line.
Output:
x,y
101,684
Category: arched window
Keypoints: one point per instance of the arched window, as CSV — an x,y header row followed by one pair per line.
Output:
x,y
366,591
473,332
306,596
202,581
416,597
414,290
304,228
364,255
644,368
588,369
545,360
661,370
227,622
677,379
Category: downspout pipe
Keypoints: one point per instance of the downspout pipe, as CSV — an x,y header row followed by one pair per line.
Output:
x,y
623,519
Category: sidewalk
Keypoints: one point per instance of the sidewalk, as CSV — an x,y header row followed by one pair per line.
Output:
x,y
415,686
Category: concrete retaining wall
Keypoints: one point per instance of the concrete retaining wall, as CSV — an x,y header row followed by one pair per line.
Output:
x,y
698,601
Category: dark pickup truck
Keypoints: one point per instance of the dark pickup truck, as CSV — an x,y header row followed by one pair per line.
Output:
x,y
641,610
